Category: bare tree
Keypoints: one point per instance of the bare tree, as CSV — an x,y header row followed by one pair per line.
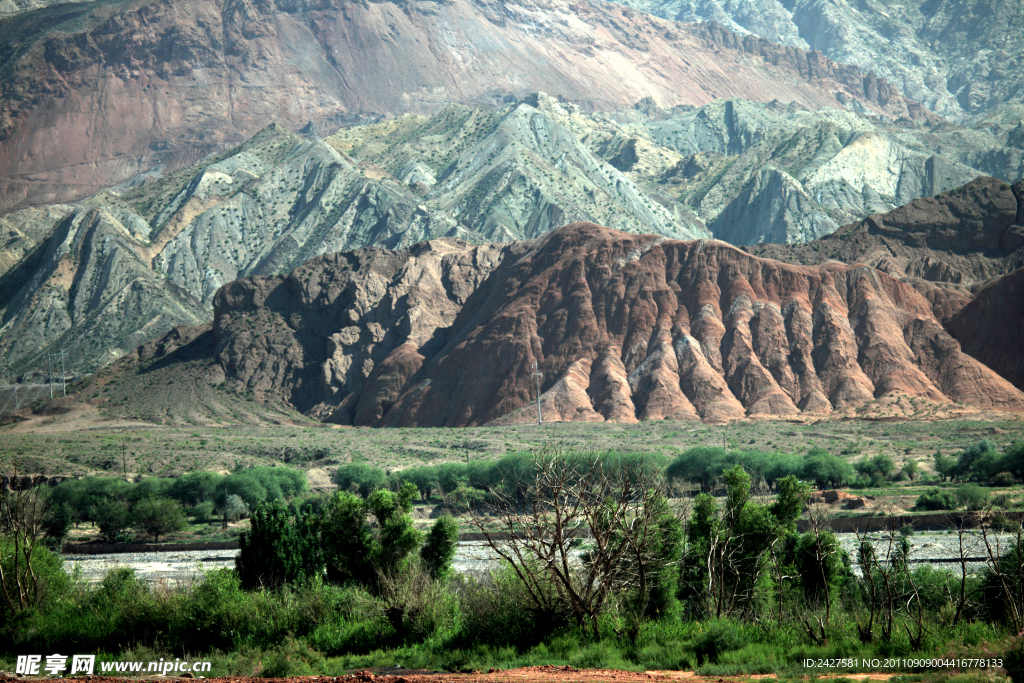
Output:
x,y
967,545
22,509
579,534
1007,566
891,585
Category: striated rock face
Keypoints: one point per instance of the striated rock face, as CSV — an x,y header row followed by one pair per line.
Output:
x,y
751,172
165,82
88,290
957,57
623,327
341,336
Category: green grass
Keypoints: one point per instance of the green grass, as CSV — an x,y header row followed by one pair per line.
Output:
x,y
322,629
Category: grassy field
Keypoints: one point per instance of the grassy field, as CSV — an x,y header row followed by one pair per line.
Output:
x,y
82,438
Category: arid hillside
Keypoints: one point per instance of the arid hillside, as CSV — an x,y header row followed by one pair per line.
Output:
x,y
94,95
622,327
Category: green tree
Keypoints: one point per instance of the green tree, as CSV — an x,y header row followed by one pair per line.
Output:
x,y
194,488
359,478
790,501
911,469
57,522
275,552
203,512
347,540
727,550
945,466
1014,459
827,470
113,517
397,537
158,516
438,551
972,496
971,457
819,562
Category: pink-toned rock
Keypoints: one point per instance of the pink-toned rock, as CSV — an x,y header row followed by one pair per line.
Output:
x,y
622,327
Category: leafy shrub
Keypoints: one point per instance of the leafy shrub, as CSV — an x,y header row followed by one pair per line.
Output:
x,y
1003,479
292,658
1013,661
439,550
203,512
720,637
972,496
936,499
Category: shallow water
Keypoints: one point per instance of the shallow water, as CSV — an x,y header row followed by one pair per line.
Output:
x,y
476,559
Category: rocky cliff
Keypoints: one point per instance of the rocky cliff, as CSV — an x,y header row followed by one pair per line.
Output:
x,y
623,327
960,58
93,95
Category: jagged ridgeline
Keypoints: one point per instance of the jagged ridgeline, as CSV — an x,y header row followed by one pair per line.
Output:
x,y
130,263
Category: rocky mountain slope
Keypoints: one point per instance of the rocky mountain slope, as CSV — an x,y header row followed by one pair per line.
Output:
x,y
623,327
991,326
731,169
959,58
946,246
92,94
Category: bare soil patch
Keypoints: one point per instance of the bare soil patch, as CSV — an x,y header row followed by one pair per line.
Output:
x,y
529,674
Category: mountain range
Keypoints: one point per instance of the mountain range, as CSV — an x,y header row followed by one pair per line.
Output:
x,y
93,94
627,327
102,276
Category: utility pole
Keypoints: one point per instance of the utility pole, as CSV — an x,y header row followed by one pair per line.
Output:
x,y
124,466
16,405
63,380
536,376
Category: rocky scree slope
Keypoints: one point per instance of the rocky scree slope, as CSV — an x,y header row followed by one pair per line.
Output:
x,y
960,58
624,327
92,94
732,169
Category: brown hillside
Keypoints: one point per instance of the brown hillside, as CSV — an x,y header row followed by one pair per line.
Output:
x,y
129,87
622,326
963,236
991,327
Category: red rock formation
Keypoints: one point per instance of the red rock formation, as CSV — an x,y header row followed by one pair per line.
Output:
x,y
623,327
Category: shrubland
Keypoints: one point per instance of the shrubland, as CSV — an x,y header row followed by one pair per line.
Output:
x,y
602,568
